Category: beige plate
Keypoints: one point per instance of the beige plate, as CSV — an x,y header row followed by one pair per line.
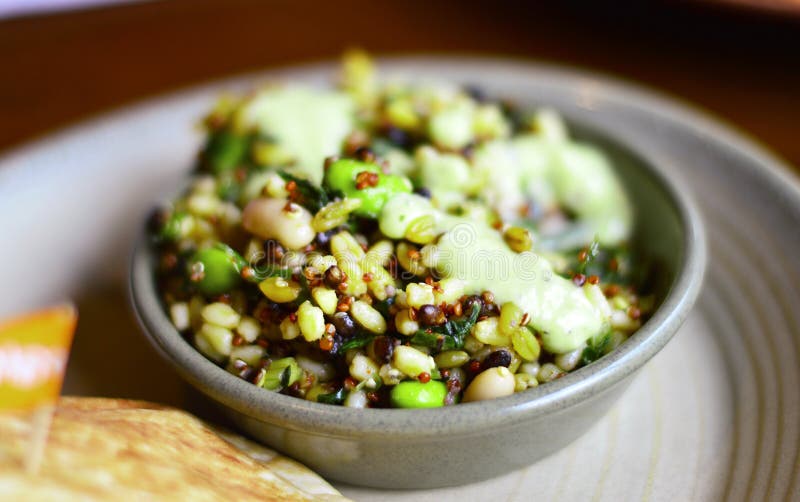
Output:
x,y
715,416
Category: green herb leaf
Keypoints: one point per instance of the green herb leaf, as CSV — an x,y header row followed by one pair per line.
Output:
x,y
376,381
280,374
228,188
238,261
260,272
358,340
450,335
434,339
610,264
591,255
383,306
596,348
172,229
337,397
224,151
311,197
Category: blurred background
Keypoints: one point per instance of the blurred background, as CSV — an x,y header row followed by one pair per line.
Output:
x,y
66,60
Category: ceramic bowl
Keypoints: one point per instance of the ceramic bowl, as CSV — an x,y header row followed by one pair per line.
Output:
x,y
394,448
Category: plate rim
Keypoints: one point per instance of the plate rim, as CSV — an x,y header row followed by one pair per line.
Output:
x,y
673,106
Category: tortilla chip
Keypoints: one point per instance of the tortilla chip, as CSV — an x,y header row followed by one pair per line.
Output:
x,y
118,449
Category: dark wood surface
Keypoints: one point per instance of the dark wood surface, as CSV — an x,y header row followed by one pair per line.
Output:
x,y
58,69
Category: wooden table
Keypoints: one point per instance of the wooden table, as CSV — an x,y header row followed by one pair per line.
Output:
x,y
61,68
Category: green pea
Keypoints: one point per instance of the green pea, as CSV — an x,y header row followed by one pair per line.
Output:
x,y
214,270
341,176
413,394
225,150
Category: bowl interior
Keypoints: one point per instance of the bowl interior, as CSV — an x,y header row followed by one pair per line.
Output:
x,y
658,234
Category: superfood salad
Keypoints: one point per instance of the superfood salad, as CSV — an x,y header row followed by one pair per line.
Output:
x,y
397,245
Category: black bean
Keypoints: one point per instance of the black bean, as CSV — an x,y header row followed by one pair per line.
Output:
x,y
344,324
280,349
424,191
337,344
330,160
323,238
364,154
431,315
399,137
519,119
468,151
470,301
534,211
156,219
257,375
247,373
334,276
497,358
273,251
382,348
489,309
475,93
454,386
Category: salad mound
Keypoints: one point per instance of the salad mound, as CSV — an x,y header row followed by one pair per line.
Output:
x,y
395,244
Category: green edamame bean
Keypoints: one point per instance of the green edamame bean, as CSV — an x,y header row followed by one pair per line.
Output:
x,y
281,373
373,192
334,214
214,271
173,228
341,174
422,230
225,150
451,359
413,394
525,344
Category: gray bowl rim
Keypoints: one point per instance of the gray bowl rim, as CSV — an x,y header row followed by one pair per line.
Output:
x,y
466,418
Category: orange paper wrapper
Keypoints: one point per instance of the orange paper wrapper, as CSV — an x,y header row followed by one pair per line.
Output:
x,y
33,356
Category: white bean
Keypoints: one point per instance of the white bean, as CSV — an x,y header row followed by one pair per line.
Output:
x,y
363,368
548,372
288,223
490,384
251,354
366,315
289,330
356,399
249,329
220,314
404,324
570,360
411,361
324,371
220,339
420,294
179,313
531,369
390,375
311,321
